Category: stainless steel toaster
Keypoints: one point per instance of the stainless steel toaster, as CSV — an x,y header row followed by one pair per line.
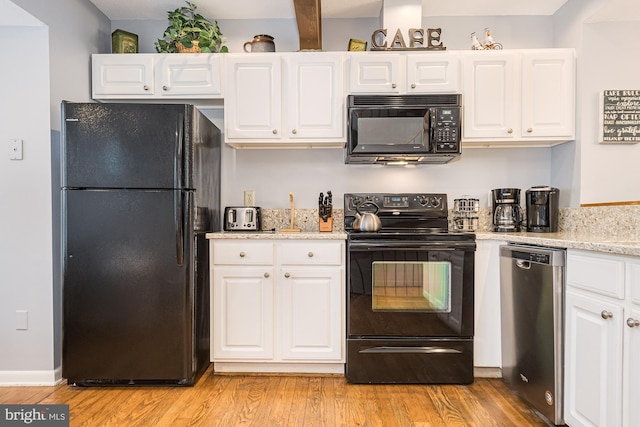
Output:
x,y
242,218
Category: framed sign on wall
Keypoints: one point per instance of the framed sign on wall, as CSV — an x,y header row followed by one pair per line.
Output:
x,y
619,116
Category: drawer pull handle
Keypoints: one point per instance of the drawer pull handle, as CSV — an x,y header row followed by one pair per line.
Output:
x,y
287,275
266,275
242,254
393,85
310,254
413,85
633,323
145,87
275,131
294,131
529,130
606,314
165,87
509,130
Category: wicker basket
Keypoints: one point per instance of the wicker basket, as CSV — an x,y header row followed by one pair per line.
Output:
x,y
194,49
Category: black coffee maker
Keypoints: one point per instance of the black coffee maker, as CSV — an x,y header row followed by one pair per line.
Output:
x,y
542,209
506,211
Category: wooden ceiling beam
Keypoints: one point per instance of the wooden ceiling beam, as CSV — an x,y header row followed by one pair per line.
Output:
x,y
309,20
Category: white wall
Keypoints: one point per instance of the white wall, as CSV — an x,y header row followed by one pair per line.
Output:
x,y
25,218
32,85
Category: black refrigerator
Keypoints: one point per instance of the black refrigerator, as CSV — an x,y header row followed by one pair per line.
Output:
x,y
140,189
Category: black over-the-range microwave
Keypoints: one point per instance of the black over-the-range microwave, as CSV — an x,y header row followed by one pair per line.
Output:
x,y
403,129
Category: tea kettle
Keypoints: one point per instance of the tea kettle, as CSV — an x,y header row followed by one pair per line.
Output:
x,y
367,221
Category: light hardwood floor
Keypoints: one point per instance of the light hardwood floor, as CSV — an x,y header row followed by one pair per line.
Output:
x,y
306,401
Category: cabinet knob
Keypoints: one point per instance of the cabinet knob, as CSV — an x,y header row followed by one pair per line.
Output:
x,y
393,85
294,131
275,131
606,314
287,275
413,85
242,254
633,323
310,254
529,130
266,275
145,87
509,130
165,88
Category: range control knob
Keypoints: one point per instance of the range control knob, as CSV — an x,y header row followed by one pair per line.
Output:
x,y
436,201
423,200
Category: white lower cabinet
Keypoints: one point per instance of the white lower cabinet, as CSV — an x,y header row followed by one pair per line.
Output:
x,y
602,340
278,306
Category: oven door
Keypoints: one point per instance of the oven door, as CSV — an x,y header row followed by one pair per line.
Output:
x,y
410,289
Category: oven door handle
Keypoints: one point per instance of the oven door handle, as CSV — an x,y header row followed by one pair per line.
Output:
x,y
401,246
421,350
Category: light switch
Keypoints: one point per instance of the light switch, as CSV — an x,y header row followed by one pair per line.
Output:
x,y
15,149
21,320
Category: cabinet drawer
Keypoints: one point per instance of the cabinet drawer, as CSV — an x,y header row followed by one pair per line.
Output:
x,y
598,273
243,253
311,253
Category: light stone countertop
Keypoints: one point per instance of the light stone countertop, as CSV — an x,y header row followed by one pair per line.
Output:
x,y
612,243
270,235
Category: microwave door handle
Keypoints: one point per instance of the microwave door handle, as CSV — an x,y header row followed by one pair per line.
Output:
x,y
432,128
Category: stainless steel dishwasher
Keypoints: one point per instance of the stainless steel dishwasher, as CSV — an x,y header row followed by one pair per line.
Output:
x,y
532,299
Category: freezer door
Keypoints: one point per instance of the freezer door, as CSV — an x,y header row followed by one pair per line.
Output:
x,y
125,145
128,286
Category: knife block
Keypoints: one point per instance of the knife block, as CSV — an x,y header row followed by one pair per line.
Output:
x,y
325,226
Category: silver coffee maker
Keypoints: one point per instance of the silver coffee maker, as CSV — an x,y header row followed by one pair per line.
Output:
x,y
506,211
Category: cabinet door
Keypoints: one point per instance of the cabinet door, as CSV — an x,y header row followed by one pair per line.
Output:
x,y
490,95
376,73
593,361
312,323
253,99
631,379
548,93
242,307
117,75
314,95
192,75
437,72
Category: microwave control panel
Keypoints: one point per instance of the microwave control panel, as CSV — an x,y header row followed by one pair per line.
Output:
x,y
446,129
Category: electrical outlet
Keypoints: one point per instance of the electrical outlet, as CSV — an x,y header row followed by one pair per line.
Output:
x,y
249,198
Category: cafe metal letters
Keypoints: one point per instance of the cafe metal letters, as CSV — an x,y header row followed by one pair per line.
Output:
x,y
416,40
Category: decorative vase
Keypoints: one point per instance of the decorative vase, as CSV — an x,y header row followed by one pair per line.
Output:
x,y
193,49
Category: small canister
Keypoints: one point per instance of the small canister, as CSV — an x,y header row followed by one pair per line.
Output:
x,y
465,214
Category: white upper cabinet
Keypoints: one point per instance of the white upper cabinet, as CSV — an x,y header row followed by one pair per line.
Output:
x,y
253,99
489,95
144,76
376,72
285,100
122,76
518,98
193,75
548,94
404,73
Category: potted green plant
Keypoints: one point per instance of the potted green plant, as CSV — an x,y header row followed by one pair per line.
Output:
x,y
190,32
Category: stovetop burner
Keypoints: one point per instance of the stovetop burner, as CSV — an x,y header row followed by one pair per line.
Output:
x,y
400,213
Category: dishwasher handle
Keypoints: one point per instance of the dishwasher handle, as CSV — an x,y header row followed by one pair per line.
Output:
x,y
525,265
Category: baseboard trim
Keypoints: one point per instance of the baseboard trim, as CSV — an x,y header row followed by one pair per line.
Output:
x,y
487,372
31,378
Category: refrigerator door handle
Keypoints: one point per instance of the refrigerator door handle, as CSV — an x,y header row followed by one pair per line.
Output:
x,y
178,213
178,160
